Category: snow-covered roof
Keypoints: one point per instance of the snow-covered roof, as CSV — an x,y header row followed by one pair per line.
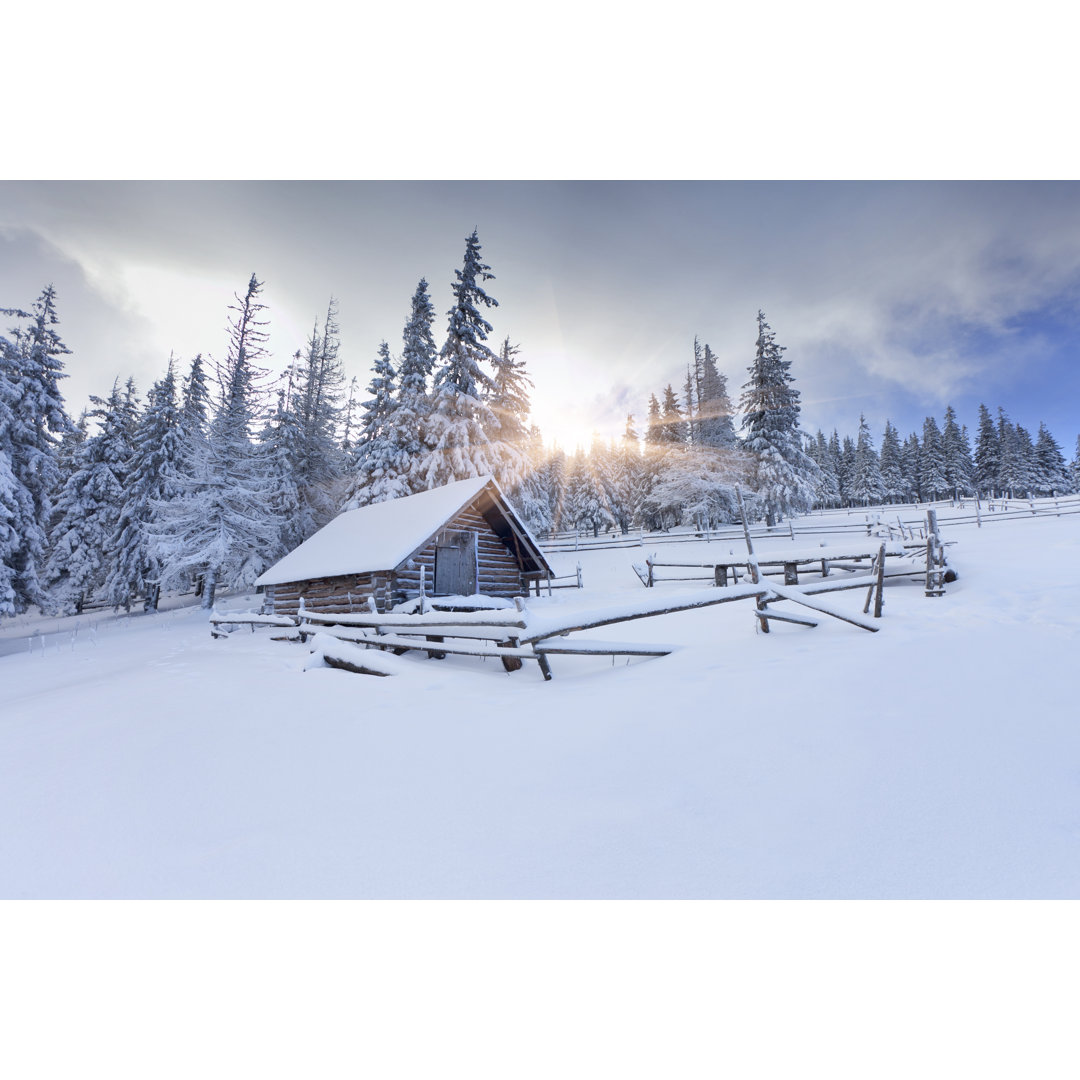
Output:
x,y
379,536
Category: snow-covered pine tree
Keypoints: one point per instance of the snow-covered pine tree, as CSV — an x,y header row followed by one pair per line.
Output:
x,y
532,497
1027,468
957,454
509,403
653,424
382,466
715,425
1010,470
846,471
418,359
283,449
315,404
692,395
456,429
30,372
867,485
88,507
933,480
630,472
783,475
222,528
1052,472
16,506
910,458
556,479
987,455
155,456
1074,467
605,465
827,491
892,466
585,508
673,427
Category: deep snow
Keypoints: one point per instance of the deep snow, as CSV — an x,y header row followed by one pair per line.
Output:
x,y
937,758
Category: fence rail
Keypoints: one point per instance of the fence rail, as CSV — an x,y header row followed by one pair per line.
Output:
x,y
880,521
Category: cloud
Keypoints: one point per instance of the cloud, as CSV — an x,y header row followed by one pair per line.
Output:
x,y
889,297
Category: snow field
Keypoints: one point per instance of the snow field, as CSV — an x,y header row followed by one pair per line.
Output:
x,y
936,758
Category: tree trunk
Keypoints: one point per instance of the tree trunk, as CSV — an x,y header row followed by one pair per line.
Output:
x,y
209,587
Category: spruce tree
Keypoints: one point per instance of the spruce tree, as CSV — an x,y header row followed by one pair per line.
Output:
x,y
783,475
509,402
892,468
313,403
673,427
1053,476
715,425
35,419
418,358
456,431
88,506
987,454
933,480
382,467
867,485
957,454
911,459
221,528
155,455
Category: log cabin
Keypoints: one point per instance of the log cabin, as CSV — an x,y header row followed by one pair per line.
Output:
x,y
459,540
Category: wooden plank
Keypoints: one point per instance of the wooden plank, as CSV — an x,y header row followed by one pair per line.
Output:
x,y
782,616
561,647
797,596
591,621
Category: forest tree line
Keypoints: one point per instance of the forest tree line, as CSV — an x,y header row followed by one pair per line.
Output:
x,y
224,468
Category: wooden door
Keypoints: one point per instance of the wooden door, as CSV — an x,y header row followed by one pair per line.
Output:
x,y
455,564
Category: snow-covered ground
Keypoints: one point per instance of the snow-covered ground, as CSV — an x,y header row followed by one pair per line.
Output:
x,y
937,758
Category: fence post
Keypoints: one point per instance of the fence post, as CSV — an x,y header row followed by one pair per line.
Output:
x,y
878,598
579,585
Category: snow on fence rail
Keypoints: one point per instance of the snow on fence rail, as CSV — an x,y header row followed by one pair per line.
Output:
x,y
879,521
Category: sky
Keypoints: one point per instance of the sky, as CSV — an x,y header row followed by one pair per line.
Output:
x,y
893,299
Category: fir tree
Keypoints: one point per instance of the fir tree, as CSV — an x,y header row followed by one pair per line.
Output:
x,y
418,359
155,455
987,454
911,459
957,455
784,477
382,467
1052,472
673,429
867,486
892,466
933,480
221,527
715,425
35,419
313,403
460,418
509,402
88,507
653,427
827,492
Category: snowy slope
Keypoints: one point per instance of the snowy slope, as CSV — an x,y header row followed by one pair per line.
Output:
x,y
934,759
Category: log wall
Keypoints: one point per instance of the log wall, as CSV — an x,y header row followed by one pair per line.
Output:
x,y
499,573
332,594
